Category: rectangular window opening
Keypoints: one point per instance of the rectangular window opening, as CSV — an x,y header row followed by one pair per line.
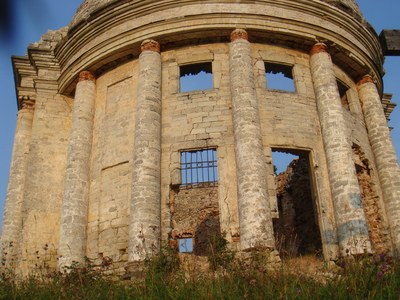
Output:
x,y
343,94
279,77
199,168
195,77
185,245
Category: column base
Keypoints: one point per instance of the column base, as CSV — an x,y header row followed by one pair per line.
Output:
x,y
265,258
135,270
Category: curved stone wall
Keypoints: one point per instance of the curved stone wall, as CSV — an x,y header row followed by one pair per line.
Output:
x,y
97,43
110,112
90,7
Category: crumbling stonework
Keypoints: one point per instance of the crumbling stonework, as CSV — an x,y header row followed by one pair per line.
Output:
x,y
376,226
352,227
97,168
385,155
195,214
296,230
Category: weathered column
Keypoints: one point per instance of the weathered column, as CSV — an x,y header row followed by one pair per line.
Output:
x,y
384,152
352,228
74,208
254,211
145,214
12,220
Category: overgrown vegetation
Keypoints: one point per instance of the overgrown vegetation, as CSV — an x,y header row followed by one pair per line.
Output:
x,y
167,277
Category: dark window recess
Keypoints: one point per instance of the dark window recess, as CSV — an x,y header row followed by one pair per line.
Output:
x,y
279,77
297,229
196,77
343,94
199,168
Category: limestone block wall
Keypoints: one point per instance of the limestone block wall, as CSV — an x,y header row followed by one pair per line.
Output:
x,y
352,227
192,120
195,214
354,120
196,120
142,123
283,127
12,220
346,5
144,225
44,184
74,209
253,199
384,153
111,165
189,120
281,110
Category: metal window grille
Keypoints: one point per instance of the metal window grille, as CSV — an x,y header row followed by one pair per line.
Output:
x,y
199,168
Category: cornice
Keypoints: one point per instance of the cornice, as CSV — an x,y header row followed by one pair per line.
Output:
x,y
90,8
115,31
41,54
24,74
26,102
39,66
388,105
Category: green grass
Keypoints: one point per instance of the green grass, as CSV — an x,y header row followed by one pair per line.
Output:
x,y
369,277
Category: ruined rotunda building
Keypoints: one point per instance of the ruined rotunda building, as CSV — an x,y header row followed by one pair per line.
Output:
x,y
145,124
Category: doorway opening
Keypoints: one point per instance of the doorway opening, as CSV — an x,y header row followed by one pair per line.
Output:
x,y
296,230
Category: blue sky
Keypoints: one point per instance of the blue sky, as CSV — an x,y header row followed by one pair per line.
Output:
x,y
32,18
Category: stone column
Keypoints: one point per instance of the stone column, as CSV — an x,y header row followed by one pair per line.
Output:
x,y
145,213
254,211
74,208
12,220
352,228
384,152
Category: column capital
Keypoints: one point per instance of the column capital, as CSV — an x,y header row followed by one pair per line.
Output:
x,y
365,79
319,48
86,75
150,45
26,102
239,34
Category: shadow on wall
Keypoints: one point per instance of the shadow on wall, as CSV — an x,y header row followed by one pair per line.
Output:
x,y
206,234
